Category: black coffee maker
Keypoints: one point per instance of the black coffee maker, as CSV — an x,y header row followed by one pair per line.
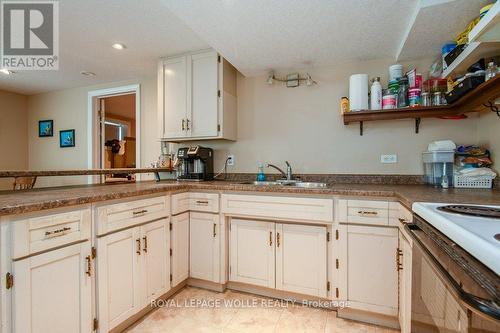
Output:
x,y
195,163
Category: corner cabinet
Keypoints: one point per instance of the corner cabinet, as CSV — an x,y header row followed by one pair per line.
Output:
x,y
196,97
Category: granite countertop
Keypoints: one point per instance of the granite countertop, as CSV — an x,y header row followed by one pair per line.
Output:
x,y
17,202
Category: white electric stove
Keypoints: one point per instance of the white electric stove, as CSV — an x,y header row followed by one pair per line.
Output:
x,y
475,228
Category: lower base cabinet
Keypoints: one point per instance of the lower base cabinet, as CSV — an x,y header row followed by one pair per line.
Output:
x,y
288,257
133,268
372,276
179,237
53,291
301,264
204,246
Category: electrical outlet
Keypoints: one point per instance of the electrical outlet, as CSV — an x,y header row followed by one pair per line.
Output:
x,y
389,159
230,160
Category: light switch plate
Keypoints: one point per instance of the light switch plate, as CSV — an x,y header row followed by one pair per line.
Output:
x,y
389,159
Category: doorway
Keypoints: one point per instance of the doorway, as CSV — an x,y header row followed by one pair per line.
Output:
x,y
115,139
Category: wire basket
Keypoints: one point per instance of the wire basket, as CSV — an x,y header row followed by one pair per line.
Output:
x,y
473,182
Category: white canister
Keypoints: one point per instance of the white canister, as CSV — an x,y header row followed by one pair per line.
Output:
x,y
358,92
395,72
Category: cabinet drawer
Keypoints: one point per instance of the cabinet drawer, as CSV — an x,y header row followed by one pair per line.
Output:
x,y
309,209
204,202
41,233
201,202
126,214
364,212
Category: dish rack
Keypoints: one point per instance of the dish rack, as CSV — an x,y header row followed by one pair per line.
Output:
x,y
473,182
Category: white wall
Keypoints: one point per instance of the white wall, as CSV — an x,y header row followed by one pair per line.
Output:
x,y
13,134
488,135
68,109
303,125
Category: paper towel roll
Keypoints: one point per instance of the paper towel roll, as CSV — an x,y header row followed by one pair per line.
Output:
x,y
358,92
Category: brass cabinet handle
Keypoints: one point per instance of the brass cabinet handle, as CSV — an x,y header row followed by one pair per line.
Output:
x,y
399,265
367,213
89,265
183,128
215,230
187,124
138,243
145,239
270,238
202,202
57,232
278,239
139,212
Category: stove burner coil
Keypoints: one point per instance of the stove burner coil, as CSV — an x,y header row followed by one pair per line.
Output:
x,y
489,212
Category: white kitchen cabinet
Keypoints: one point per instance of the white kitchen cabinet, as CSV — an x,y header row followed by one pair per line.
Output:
x,y
204,246
405,276
132,270
174,97
119,285
252,252
179,237
372,277
197,97
155,247
301,259
52,291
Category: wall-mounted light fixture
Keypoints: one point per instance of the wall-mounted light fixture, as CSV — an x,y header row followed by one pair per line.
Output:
x,y
291,80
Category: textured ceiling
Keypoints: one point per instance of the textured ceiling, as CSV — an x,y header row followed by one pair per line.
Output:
x,y
87,30
259,35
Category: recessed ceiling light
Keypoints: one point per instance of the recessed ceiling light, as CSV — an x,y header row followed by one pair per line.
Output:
x,y
87,73
119,46
6,71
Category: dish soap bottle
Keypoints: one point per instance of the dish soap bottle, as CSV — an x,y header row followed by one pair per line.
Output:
x,y
261,176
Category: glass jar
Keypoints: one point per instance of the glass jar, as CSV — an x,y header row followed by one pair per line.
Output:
x,y
438,99
491,71
426,99
403,93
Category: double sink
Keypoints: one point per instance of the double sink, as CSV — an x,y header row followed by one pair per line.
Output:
x,y
288,183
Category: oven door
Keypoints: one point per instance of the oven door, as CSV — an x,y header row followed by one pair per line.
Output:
x,y
451,290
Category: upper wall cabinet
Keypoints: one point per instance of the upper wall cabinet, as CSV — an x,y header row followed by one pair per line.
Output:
x,y
196,97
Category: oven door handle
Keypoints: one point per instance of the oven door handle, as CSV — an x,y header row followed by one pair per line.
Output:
x,y
481,306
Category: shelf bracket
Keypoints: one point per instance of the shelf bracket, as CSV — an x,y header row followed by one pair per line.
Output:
x,y
361,128
417,125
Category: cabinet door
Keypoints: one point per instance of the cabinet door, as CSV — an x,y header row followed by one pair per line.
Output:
x,y
371,272
203,81
204,246
155,249
175,97
52,291
119,281
301,259
252,252
179,237
405,284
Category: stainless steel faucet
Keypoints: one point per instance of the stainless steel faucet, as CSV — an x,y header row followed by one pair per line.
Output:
x,y
288,174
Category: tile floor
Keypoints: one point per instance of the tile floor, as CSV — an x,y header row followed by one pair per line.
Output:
x,y
224,318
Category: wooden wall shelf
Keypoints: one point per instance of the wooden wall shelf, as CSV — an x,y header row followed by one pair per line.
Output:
x,y
472,102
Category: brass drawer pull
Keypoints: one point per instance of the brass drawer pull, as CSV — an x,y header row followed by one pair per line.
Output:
x,y
399,265
187,124
139,212
367,213
215,230
138,243
89,265
270,238
278,239
183,127
202,202
57,232
145,239
403,221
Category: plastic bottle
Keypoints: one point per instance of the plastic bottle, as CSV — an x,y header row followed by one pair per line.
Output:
x,y
261,176
376,95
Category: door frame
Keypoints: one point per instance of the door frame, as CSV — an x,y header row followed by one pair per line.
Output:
x,y
93,158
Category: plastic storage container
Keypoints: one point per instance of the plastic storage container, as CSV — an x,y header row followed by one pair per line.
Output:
x,y
473,182
438,164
